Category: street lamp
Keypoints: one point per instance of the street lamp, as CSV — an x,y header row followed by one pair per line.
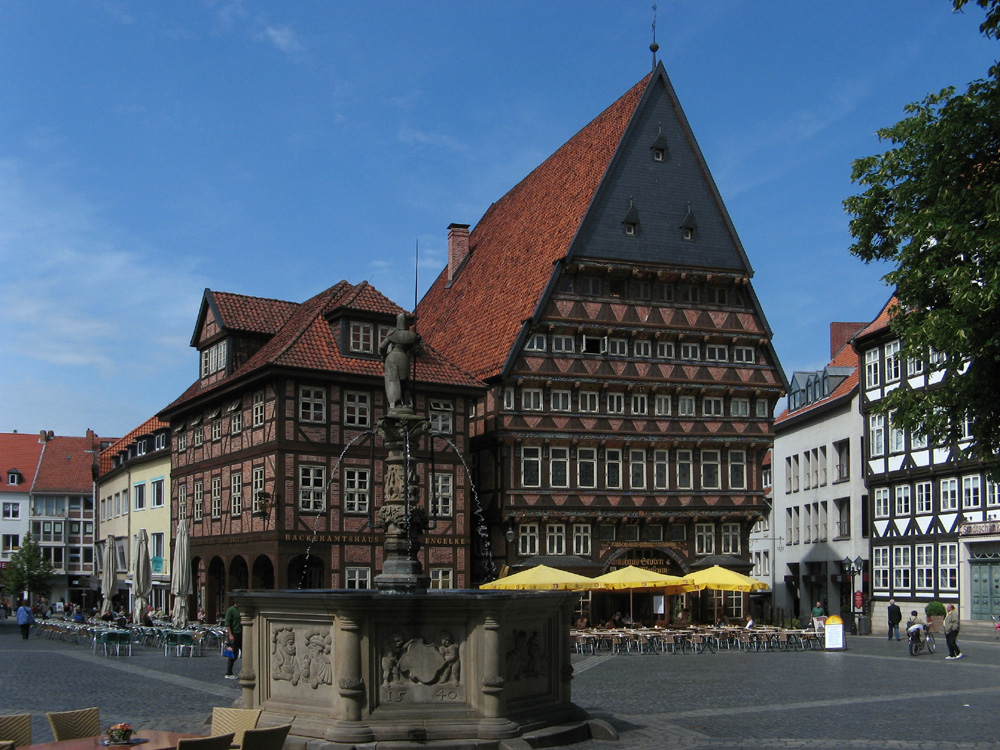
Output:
x,y
853,569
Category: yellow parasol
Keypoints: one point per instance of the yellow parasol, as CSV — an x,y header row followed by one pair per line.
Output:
x,y
722,579
541,578
631,578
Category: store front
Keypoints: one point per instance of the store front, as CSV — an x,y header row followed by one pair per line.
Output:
x,y
979,550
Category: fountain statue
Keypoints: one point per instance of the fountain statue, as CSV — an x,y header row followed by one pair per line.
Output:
x,y
401,664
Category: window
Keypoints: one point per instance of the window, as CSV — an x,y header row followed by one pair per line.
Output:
x,y
685,406
589,285
924,497
312,404
661,405
690,351
555,539
236,423
536,343
581,539
561,400
216,497
737,470
666,292
606,532
730,539
595,344
531,399
586,467
156,493
710,470
871,368
182,441
948,566
704,538
160,441
918,440
613,469
258,409
11,510
903,500
842,449
880,568
716,353
508,398
923,564
236,494
660,469
14,477
664,349
914,367
761,408
442,417
616,403
901,562
637,469
199,435
589,402
689,293
357,409
257,489
971,497
712,406
443,499
876,434
739,407
897,436
744,355
654,532
312,486
139,496
562,344
949,494
617,347
199,500
216,429
357,578
643,348
11,543
527,539
881,502
214,358
640,404
362,338
892,361
442,578
683,469
531,467
182,494
559,467
992,493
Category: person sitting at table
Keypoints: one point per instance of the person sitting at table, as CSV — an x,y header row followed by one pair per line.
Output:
x,y
582,622
615,621
749,625
147,620
722,622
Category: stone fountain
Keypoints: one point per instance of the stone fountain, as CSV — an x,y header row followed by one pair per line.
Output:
x,y
400,666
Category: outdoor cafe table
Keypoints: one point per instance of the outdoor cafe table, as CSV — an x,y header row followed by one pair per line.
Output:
x,y
157,740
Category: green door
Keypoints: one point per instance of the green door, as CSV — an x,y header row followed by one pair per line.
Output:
x,y
985,579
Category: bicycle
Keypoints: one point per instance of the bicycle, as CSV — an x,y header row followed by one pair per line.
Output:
x,y
920,638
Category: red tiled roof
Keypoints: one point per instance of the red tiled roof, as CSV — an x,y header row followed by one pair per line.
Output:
x,y
67,465
882,321
148,427
515,244
240,313
19,451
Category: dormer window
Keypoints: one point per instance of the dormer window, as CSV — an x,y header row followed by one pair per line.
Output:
x,y
631,220
14,477
214,358
630,230
659,146
362,338
658,154
687,234
688,226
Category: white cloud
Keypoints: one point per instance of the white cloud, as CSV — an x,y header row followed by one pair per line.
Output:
x,y
412,136
284,38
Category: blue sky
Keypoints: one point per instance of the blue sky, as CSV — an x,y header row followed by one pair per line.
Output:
x,y
151,150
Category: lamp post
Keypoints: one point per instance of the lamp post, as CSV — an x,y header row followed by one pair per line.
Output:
x,y
853,568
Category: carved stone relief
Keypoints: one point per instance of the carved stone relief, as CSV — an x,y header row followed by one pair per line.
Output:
x,y
526,659
313,667
419,669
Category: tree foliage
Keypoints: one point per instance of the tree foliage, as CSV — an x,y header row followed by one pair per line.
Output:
x,y
931,208
28,571
991,26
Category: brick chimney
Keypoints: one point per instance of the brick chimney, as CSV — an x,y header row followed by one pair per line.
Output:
x,y
458,248
840,334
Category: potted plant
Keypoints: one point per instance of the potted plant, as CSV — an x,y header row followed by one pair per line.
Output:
x,y
119,734
932,610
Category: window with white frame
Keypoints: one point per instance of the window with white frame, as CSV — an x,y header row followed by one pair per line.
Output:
x,y
312,404
737,470
901,568
555,539
903,500
712,406
182,496
236,494
562,344
684,473
876,434
508,399
897,435
730,539
182,441
690,351
586,467
914,367
139,496
443,500
357,578
872,377
257,488
357,409
357,490
199,500
685,406
531,466
362,338
716,353
312,488
199,435
947,566
761,407
536,343
156,494
236,423
160,441
442,416
918,440
744,355
971,489
704,538
531,399
881,502
640,404
616,403
617,348
949,494
581,539
527,539
739,407
561,400
216,497
613,469
664,349
643,348
442,578
214,358
992,493
892,361
661,470
559,467
923,566
637,469
594,345
880,568
925,497
258,409
589,402
661,405
710,470
217,429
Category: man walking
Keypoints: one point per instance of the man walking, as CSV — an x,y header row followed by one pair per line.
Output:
x,y
895,617
234,629
951,628
25,619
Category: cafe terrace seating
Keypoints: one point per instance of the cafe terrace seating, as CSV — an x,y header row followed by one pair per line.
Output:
x,y
693,640
16,729
220,742
265,739
71,725
234,721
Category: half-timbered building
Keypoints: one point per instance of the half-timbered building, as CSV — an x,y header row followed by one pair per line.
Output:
x,y
607,302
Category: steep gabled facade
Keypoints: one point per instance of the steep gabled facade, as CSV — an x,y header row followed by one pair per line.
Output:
x,y
607,302
935,512
19,456
273,467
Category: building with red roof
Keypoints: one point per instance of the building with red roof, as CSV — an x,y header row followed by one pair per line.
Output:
x,y
606,301
19,455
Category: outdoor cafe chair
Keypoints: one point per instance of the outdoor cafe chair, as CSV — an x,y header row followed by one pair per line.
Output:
x,y
72,725
265,739
234,721
16,729
219,742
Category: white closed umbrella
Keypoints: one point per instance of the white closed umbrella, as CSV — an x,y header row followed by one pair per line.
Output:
x,y
142,578
109,577
180,577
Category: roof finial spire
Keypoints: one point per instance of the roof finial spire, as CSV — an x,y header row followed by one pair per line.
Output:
x,y
654,46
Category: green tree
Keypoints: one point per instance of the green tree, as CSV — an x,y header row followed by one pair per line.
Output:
x,y
931,208
28,571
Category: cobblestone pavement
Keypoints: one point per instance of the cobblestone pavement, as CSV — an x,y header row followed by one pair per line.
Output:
x,y
872,695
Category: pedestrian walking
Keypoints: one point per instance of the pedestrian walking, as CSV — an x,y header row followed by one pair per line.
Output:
x,y
25,619
234,629
951,628
895,617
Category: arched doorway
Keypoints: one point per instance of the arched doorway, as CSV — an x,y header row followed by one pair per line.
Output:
x,y
263,573
239,574
646,606
215,590
305,573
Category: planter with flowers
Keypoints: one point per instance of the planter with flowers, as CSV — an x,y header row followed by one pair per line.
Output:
x,y
119,734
